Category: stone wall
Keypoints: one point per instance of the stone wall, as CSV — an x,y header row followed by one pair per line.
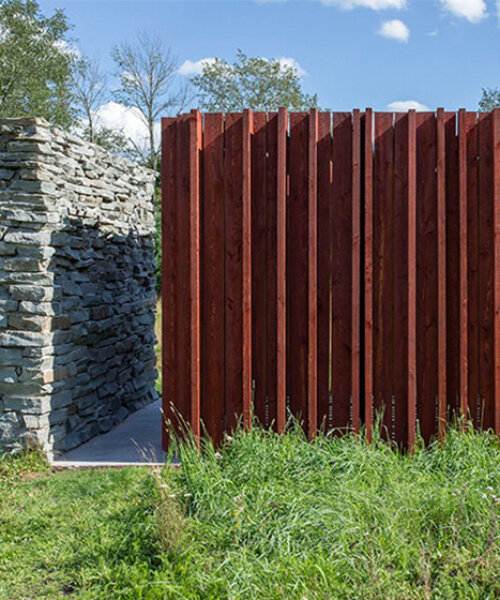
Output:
x,y
77,291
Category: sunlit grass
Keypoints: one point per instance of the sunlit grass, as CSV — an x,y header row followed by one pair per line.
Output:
x,y
263,517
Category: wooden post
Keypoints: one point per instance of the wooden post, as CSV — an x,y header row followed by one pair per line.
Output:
x,y
463,264
281,271
355,270
368,275
312,252
246,232
441,272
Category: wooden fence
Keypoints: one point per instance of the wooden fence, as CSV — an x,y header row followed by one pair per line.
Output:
x,y
331,266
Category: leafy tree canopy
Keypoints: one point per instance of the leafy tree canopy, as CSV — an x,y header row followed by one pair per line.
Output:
x,y
35,63
490,99
254,83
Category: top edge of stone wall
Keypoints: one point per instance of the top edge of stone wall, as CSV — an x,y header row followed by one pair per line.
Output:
x,y
38,125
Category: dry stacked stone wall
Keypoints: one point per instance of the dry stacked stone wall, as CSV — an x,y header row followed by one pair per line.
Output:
x,y
77,288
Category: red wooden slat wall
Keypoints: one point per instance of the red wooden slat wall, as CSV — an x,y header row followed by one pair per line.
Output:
x,y
331,267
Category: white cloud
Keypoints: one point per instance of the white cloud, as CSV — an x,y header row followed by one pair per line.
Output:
x,y
405,105
472,10
287,61
67,48
190,68
395,30
373,4
433,33
127,120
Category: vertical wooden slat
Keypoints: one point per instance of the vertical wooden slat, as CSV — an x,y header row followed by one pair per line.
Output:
x,y
260,264
195,144
356,265
272,264
212,306
452,266
246,232
441,266
486,272
182,275
281,270
312,259
463,266
383,281
233,188
427,283
405,278
297,266
368,271
341,271
472,126
402,261
324,264
169,251
412,278
496,268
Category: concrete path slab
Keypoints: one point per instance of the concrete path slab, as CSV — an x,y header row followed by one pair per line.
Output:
x,y
136,440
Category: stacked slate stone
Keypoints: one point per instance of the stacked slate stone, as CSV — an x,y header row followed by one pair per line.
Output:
x,y
77,287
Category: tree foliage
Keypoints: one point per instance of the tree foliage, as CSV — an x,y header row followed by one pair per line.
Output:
x,y
490,99
254,83
89,84
147,72
35,63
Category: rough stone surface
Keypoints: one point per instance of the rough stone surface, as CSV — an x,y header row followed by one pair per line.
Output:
x,y
77,294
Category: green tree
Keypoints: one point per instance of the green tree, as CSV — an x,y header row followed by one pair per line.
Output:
x,y
90,92
89,84
254,83
36,63
490,99
147,74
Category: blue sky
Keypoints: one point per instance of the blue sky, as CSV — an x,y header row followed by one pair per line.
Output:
x,y
434,52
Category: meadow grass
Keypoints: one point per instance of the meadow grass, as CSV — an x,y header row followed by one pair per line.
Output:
x,y
263,517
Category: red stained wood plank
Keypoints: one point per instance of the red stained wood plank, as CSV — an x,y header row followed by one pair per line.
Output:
x,y
169,250
272,274
233,174
427,283
405,279
441,266
402,261
452,266
312,259
194,267
383,281
463,266
260,265
474,404
183,329
212,317
368,270
297,266
356,265
341,271
412,278
281,269
246,232
486,272
496,268
324,264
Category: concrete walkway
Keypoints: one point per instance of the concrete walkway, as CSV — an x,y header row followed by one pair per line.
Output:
x,y
137,440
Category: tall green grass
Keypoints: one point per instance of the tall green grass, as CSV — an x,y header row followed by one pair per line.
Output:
x,y
264,517
278,517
